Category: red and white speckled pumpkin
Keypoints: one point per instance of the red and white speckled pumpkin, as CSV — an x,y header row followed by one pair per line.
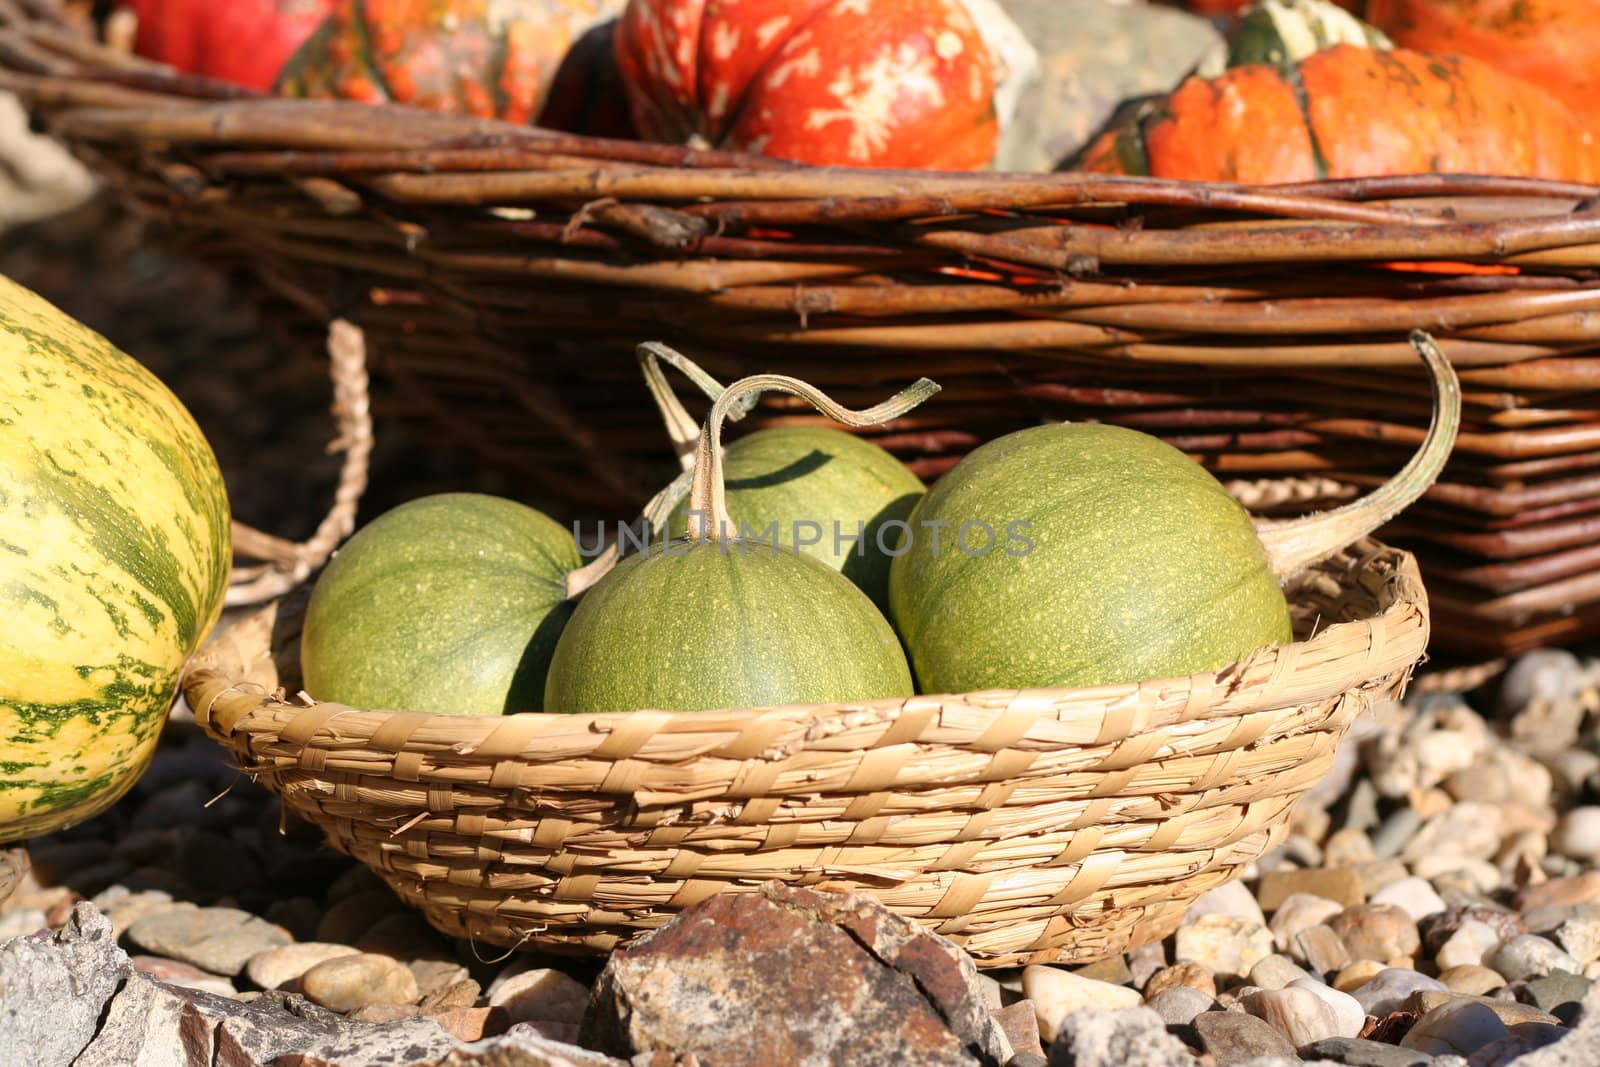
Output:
x,y
491,58
865,83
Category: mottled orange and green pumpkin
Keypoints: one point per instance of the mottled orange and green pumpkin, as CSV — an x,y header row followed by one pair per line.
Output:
x,y
488,58
1350,112
1551,43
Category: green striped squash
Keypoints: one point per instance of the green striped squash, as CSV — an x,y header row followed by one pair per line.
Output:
x,y
114,558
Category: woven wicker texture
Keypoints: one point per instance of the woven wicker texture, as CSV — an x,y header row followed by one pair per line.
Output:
x,y
503,276
1029,826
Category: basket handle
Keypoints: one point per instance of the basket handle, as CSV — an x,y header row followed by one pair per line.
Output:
x,y
286,564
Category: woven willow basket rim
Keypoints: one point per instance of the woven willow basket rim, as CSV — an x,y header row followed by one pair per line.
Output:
x,y
643,752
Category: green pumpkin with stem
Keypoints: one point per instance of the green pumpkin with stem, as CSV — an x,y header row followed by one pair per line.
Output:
x,y
1115,557
450,604
825,493
715,621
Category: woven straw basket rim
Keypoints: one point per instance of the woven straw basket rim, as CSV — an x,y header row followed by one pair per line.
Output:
x,y
1028,825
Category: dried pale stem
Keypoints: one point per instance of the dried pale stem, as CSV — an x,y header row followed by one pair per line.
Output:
x,y
1294,544
708,495
681,426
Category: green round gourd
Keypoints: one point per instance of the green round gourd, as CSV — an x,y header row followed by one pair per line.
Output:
x,y
449,604
1133,563
789,475
697,625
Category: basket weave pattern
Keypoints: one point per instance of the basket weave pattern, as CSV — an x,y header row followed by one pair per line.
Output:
x,y
1029,826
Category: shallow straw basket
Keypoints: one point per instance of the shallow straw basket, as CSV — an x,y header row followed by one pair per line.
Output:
x,y
1029,826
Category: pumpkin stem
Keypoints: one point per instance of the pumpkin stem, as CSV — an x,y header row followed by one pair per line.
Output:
x,y
708,499
655,514
681,427
1294,544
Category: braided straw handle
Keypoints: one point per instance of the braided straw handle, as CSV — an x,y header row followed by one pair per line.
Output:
x,y
286,564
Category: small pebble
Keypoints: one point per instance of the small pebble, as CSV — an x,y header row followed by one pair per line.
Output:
x,y
1530,956
1469,829
1340,884
1559,994
1394,832
1297,912
1320,949
281,968
1379,873
1346,848
435,975
1192,975
1544,674
1359,1052
1472,980
1357,975
474,1024
182,975
1460,1028
1275,972
1231,898
544,995
1021,1027
1469,945
1437,929
1113,969
1577,834
1389,990
1145,961
1224,944
1057,993
462,994
219,940
1579,889
1376,931
1347,1010
1413,895
1235,1037
1579,938
1179,1005
350,982
1509,1011
1297,1014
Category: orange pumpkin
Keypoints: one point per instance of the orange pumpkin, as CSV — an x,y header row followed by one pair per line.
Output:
x,y
865,83
490,58
1350,112
1551,43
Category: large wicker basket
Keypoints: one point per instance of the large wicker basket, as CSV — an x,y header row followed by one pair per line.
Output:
x,y
503,275
1030,826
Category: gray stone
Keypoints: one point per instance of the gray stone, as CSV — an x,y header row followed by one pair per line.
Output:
x,y
220,940
1394,832
1530,956
1119,1038
1524,1039
1559,994
1233,1038
1543,674
1179,1005
1388,990
784,975
1359,1052
54,989
1092,54
1461,1027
